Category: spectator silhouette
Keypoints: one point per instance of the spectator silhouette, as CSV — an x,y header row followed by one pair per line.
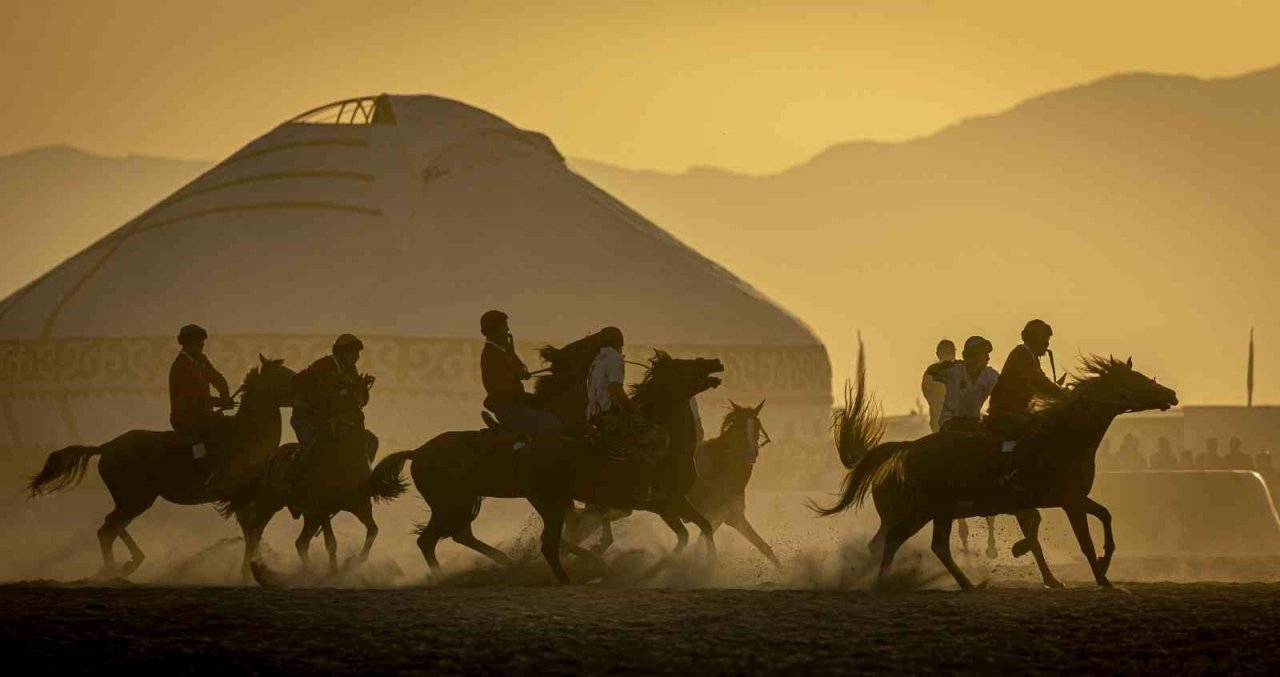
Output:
x,y
1186,459
1236,459
1209,459
1164,458
1104,459
1130,455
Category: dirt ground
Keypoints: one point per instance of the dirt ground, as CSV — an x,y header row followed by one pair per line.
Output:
x,y
1152,628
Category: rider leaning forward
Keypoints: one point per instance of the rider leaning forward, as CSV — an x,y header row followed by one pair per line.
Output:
x,y
328,394
1021,381
191,408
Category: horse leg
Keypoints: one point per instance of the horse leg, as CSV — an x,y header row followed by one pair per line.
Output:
x,y
942,548
964,534
682,534
464,536
330,544
310,527
894,537
1029,522
687,511
552,514
113,527
364,513
1080,525
992,552
739,523
429,537
1096,509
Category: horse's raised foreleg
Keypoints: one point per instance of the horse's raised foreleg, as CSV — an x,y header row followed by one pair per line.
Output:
x,y
1096,509
964,534
1029,521
739,523
330,543
1080,525
428,537
942,548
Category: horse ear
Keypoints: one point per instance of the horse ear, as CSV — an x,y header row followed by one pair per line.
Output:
x,y
263,360
1129,362
759,407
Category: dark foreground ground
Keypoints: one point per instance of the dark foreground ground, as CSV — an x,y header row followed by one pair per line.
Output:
x,y
1153,628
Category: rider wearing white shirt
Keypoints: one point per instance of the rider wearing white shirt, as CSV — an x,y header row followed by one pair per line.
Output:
x,y
969,383
607,374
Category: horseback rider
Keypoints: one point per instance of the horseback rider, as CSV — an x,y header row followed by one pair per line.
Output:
x,y
328,394
503,374
625,435
191,409
968,383
1021,381
605,392
934,391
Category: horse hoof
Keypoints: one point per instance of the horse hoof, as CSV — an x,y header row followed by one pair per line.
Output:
x,y
1053,583
129,568
1020,548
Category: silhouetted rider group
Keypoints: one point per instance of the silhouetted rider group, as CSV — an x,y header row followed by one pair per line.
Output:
x,y
331,394
969,382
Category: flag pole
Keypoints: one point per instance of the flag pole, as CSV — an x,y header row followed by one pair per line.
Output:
x,y
1249,378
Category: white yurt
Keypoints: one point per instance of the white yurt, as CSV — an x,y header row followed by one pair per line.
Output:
x,y
399,219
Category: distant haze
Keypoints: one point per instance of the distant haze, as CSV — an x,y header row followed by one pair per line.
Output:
x,y
754,87
1136,214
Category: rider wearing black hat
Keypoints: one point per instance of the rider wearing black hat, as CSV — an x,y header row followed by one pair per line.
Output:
x,y
327,394
191,408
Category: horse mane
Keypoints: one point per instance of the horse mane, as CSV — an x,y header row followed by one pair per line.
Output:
x,y
569,365
1093,369
645,390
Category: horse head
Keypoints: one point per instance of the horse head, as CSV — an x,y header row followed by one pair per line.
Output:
x,y
272,379
745,422
678,379
1112,382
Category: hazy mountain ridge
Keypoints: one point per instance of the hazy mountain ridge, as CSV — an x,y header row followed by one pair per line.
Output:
x,y
1136,213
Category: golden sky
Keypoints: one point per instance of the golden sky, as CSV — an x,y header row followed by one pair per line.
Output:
x,y
751,86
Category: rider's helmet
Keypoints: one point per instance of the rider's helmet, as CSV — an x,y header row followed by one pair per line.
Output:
x,y
191,334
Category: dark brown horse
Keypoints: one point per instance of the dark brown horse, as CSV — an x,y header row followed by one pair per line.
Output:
x,y
946,476
724,464
338,480
454,470
140,466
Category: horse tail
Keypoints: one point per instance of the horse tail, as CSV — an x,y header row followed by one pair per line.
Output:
x,y
385,482
857,427
63,469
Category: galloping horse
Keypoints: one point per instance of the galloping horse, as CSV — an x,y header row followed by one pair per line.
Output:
x,y
946,476
454,470
140,466
340,480
725,464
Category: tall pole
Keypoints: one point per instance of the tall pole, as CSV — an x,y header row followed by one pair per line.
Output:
x,y
1250,377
